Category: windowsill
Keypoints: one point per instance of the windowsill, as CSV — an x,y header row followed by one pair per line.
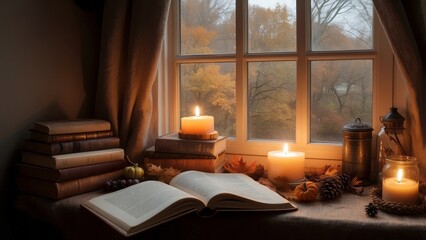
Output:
x,y
343,218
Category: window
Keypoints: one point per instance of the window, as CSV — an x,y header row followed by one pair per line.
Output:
x,y
275,71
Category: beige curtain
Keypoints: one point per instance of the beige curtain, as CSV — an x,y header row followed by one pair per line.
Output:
x,y
131,41
405,26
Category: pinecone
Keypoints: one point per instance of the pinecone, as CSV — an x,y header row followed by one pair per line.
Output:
x,y
371,209
330,188
346,179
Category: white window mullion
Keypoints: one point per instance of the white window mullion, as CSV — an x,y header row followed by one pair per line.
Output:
x,y
172,47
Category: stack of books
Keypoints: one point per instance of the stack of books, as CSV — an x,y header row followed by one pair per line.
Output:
x,y
70,157
187,154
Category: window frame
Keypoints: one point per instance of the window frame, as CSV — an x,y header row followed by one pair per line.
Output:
x,y
168,96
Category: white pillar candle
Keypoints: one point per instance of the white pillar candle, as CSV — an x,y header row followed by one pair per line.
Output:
x,y
400,189
197,124
290,165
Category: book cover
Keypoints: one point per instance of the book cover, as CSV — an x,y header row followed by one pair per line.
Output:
x,y
65,189
73,159
71,126
46,138
147,204
71,147
211,165
171,143
65,174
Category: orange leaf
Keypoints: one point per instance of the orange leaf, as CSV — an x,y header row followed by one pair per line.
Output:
x,y
332,170
268,183
356,182
238,165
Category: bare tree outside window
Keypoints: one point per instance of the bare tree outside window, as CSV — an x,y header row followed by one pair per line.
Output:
x,y
341,25
339,89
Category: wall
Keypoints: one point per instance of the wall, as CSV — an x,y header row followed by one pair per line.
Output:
x,y
48,70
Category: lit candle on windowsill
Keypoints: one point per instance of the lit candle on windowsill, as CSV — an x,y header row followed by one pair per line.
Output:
x,y
400,189
197,124
286,164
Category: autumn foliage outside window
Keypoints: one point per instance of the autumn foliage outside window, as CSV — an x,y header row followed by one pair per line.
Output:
x,y
337,56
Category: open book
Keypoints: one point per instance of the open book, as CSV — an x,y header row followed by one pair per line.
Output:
x,y
147,204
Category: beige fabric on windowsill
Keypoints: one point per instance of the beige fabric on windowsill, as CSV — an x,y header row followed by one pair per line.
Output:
x,y
343,218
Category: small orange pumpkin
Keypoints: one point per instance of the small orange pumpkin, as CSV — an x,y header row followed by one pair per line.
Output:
x,y
306,192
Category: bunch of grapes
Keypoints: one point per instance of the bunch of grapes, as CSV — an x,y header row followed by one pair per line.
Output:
x,y
114,185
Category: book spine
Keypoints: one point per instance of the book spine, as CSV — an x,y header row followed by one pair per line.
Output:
x,y
69,137
32,171
61,175
71,147
73,159
61,190
72,126
90,170
173,155
204,165
190,147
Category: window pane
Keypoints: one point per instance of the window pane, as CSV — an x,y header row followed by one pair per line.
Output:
x,y
211,86
207,26
341,91
272,100
341,25
272,26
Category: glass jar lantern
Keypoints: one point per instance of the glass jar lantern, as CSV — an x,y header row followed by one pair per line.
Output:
x,y
390,139
400,179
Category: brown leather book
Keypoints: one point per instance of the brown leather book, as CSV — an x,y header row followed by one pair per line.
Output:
x,y
211,165
151,153
71,147
46,138
71,126
65,174
65,189
73,159
171,143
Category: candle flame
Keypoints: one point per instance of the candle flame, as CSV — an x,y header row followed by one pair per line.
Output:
x,y
197,111
285,148
399,175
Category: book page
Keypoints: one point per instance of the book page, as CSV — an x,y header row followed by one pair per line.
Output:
x,y
142,205
229,190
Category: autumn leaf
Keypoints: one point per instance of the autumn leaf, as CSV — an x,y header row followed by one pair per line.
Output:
x,y
332,170
161,174
356,182
282,183
153,170
356,186
315,174
258,173
168,174
268,183
238,165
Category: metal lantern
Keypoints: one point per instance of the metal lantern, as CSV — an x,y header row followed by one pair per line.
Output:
x,y
389,140
356,154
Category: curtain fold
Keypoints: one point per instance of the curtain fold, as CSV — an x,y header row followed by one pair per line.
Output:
x,y
405,26
131,41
